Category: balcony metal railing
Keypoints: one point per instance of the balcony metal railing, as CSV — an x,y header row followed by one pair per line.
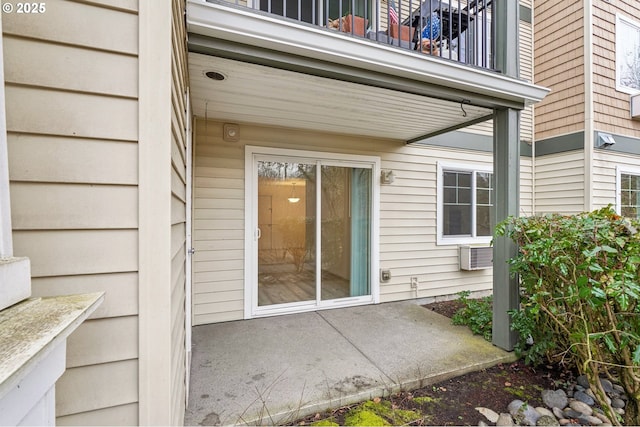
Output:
x,y
456,30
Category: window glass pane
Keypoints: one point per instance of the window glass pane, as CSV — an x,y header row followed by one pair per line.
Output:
x,y
627,54
464,196
630,195
450,195
483,197
450,179
484,222
286,219
464,180
484,204
456,203
345,232
457,220
483,180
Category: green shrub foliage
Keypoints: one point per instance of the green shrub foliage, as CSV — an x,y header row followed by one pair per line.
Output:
x,y
477,314
580,291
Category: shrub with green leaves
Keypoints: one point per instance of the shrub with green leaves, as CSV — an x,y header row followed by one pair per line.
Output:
x,y
580,282
477,314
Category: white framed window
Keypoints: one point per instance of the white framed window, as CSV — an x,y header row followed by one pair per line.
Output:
x,y
627,55
465,195
628,191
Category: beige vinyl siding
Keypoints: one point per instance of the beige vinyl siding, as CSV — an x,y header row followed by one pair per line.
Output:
x,y
526,73
611,108
178,213
559,65
604,175
70,78
526,186
407,217
218,226
559,183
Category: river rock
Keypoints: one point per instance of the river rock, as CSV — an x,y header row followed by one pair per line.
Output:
x,y
489,414
558,412
584,397
602,417
515,406
504,420
607,386
583,381
594,421
544,411
522,413
617,403
581,407
546,420
572,414
555,398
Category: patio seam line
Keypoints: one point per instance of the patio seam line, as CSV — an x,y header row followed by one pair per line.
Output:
x,y
382,371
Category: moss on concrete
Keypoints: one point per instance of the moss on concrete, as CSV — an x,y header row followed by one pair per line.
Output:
x,y
327,422
379,413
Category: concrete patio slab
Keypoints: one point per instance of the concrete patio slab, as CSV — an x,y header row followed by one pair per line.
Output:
x,y
277,369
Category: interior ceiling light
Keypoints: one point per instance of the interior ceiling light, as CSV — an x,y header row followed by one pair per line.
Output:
x,y
293,198
214,75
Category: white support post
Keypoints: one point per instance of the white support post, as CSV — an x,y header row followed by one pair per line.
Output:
x,y
6,244
15,273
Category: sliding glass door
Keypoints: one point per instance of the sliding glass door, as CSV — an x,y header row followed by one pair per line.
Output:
x,y
314,232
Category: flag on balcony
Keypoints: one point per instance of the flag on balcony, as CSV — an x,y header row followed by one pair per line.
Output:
x,y
393,13
431,30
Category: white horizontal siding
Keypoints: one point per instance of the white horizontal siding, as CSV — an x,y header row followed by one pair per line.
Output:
x,y
68,252
71,77
69,113
37,206
78,160
526,186
604,175
92,342
72,68
121,415
121,291
407,217
78,24
559,183
85,388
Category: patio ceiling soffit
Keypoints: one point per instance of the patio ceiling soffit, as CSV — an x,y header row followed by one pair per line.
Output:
x,y
218,29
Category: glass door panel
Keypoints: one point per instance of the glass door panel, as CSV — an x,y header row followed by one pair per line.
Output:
x,y
286,223
345,232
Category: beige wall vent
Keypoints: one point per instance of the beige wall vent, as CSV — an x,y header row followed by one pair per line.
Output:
x,y
476,257
635,107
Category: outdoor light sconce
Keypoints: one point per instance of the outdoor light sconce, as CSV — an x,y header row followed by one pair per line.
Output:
x,y
231,132
604,140
387,176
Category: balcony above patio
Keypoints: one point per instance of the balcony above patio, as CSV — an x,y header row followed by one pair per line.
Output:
x,y
350,69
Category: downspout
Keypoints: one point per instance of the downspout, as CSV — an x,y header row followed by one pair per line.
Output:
x,y
588,106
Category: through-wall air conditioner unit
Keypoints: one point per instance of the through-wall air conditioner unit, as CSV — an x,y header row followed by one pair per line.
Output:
x,y
635,107
476,257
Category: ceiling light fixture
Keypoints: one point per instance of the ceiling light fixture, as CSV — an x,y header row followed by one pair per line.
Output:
x,y
293,198
214,75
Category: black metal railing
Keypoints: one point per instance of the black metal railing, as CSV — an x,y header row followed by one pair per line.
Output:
x,y
456,30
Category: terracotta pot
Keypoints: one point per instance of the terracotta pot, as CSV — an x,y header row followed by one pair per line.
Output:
x,y
358,23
